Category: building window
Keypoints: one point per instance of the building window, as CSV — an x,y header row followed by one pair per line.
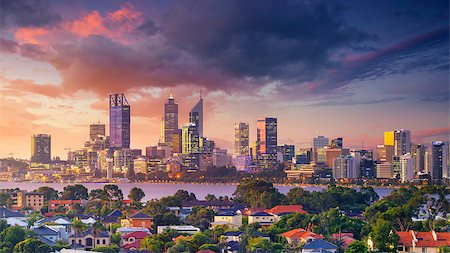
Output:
x,y
104,241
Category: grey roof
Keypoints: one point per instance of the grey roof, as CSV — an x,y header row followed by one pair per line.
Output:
x,y
46,241
92,232
115,213
261,214
233,233
320,244
7,213
44,230
140,215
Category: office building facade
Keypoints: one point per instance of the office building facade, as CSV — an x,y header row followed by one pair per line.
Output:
x,y
241,139
119,121
41,148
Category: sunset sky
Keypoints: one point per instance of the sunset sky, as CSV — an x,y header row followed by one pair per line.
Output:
x,y
350,69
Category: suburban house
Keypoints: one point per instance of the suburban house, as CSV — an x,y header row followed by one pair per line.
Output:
x,y
418,242
233,236
13,218
127,230
138,220
263,218
47,235
231,218
112,218
132,241
344,239
319,246
300,235
89,239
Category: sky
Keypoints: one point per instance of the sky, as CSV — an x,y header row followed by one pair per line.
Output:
x,y
350,69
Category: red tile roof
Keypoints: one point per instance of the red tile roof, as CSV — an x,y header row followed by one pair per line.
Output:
x,y
287,209
134,245
300,233
64,202
205,251
137,235
424,239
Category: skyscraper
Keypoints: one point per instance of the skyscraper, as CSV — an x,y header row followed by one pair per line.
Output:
x,y
400,139
345,166
170,126
439,160
320,142
418,154
119,121
266,141
196,116
96,130
406,168
241,139
41,148
190,146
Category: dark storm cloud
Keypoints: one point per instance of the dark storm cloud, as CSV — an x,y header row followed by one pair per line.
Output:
x,y
424,53
148,27
278,39
27,13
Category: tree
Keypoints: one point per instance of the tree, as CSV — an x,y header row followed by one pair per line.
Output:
x,y
210,197
32,245
200,217
74,192
257,193
181,246
14,235
97,194
185,195
49,193
136,194
357,247
112,192
384,236
151,243
78,228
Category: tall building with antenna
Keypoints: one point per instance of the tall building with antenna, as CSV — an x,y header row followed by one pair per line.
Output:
x,y
169,125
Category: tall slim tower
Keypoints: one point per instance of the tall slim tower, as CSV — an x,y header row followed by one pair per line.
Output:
x,y
439,160
241,139
266,141
170,120
119,121
196,116
400,139
41,148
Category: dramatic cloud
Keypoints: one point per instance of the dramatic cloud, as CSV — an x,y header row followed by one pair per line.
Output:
x,y
32,13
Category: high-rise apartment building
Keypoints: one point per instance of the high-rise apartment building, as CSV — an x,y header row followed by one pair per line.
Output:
x,y
439,160
241,139
97,131
41,148
385,153
170,120
266,141
384,170
418,155
119,121
406,167
196,116
345,166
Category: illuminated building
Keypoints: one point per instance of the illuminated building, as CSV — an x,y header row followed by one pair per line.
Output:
x,y
170,120
119,121
400,140
439,160
345,166
41,148
266,142
384,170
241,139
418,154
190,146
97,131
406,168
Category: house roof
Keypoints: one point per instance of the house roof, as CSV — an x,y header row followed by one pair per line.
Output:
x,y
233,233
7,213
205,251
424,239
137,235
320,244
227,213
261,214
44,230
110,219
64,201
133,245
115,213
300,233
91,231
140,215
124,230
284,209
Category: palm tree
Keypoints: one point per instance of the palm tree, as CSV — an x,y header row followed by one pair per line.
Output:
x,y
98,227
78,228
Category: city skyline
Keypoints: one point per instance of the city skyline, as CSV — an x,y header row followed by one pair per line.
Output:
x,y
358,79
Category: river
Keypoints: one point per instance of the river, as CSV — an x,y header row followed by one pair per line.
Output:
x,y
159,190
